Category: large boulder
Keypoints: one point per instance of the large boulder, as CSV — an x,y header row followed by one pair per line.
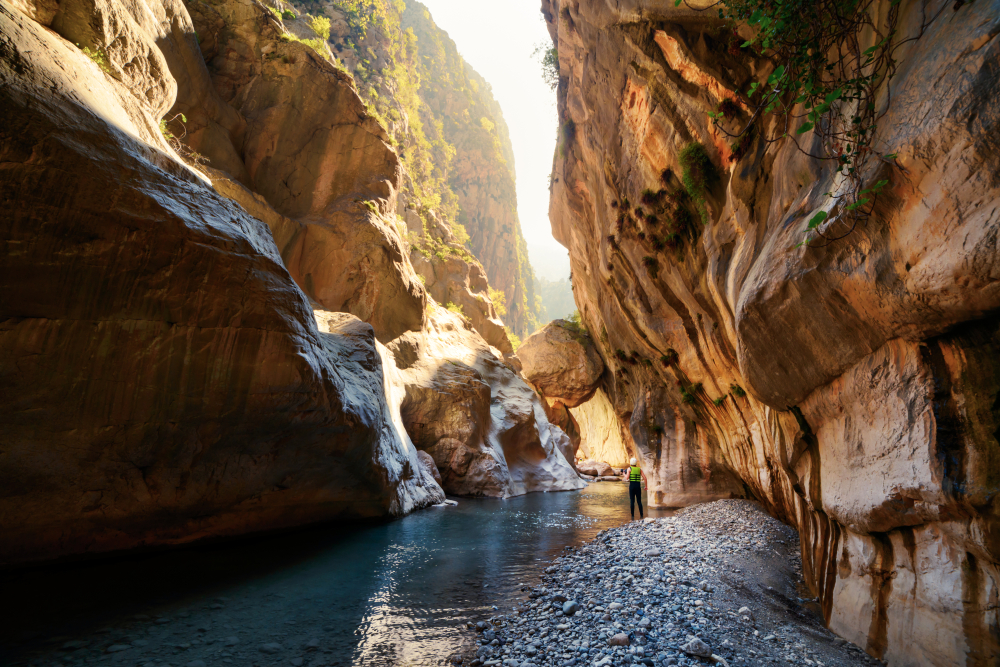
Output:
x,y
595,468
162,377
561,361
464,405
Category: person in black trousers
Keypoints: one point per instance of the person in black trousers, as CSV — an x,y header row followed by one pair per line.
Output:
x,y
635,478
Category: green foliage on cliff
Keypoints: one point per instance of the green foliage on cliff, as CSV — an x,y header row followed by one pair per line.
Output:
x,y
447,130
698,174
832,63
499,300
574,325
548,57
321,26
99,57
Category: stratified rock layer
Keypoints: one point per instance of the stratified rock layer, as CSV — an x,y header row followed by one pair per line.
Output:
x,y
849,386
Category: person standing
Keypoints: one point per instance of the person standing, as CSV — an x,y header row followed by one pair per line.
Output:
x,y
635,478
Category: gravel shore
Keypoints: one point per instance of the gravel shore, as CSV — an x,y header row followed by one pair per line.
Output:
x,y
718,583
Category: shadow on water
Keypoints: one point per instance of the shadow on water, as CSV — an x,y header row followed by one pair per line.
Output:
x,y
390,593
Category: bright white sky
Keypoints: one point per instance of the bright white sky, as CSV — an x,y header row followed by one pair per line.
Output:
x,y
497,39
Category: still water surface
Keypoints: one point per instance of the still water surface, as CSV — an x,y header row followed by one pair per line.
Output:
x,y
388,594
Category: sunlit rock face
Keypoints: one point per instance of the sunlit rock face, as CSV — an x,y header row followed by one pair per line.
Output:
x,y
485,428
600,431
162,377
851,387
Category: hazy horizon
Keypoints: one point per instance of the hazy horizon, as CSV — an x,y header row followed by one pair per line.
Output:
x,y
499,46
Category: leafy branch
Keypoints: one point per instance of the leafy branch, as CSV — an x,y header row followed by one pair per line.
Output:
x,y
824,80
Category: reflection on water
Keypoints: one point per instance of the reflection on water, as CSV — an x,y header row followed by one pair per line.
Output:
x,y
393,593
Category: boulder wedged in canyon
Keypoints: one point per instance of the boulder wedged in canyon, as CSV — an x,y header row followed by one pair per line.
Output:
x,y
849,386
562,363
163,377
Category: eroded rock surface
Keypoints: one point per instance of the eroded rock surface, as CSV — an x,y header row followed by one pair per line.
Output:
x,y
848,386
485,428
162,376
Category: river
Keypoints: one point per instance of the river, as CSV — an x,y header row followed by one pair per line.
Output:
x,y
393,593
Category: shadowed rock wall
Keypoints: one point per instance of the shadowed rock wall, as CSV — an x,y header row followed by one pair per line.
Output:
x,y
162,378
850,386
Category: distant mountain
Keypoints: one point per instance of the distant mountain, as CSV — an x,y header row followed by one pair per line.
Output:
x,y
549,261
557,298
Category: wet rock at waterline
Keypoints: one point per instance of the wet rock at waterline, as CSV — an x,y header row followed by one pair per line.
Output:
x,y
848,384
682,606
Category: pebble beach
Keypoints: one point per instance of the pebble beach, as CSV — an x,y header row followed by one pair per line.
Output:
x,y
718,583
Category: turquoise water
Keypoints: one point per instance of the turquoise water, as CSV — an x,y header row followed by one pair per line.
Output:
x,y
393,593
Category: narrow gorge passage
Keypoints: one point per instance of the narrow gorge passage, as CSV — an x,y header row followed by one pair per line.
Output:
x,y
281,281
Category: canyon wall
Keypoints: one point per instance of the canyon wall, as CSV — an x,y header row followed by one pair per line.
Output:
x,y
458,195
850,386
210,323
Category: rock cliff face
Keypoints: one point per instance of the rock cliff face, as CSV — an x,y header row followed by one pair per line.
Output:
x,y
164,376
458,193
849,386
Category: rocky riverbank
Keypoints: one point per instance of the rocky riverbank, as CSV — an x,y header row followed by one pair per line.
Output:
x,y
717,583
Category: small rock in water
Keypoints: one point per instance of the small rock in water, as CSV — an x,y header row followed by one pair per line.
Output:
x,y
297,662
270,649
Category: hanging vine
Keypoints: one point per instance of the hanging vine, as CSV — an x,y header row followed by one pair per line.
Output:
x,y
824,80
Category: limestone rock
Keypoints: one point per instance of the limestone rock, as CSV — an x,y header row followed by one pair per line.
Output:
x,y
562,363
845,384
482,424
158,359
309,160
600,431
427,463
595,468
